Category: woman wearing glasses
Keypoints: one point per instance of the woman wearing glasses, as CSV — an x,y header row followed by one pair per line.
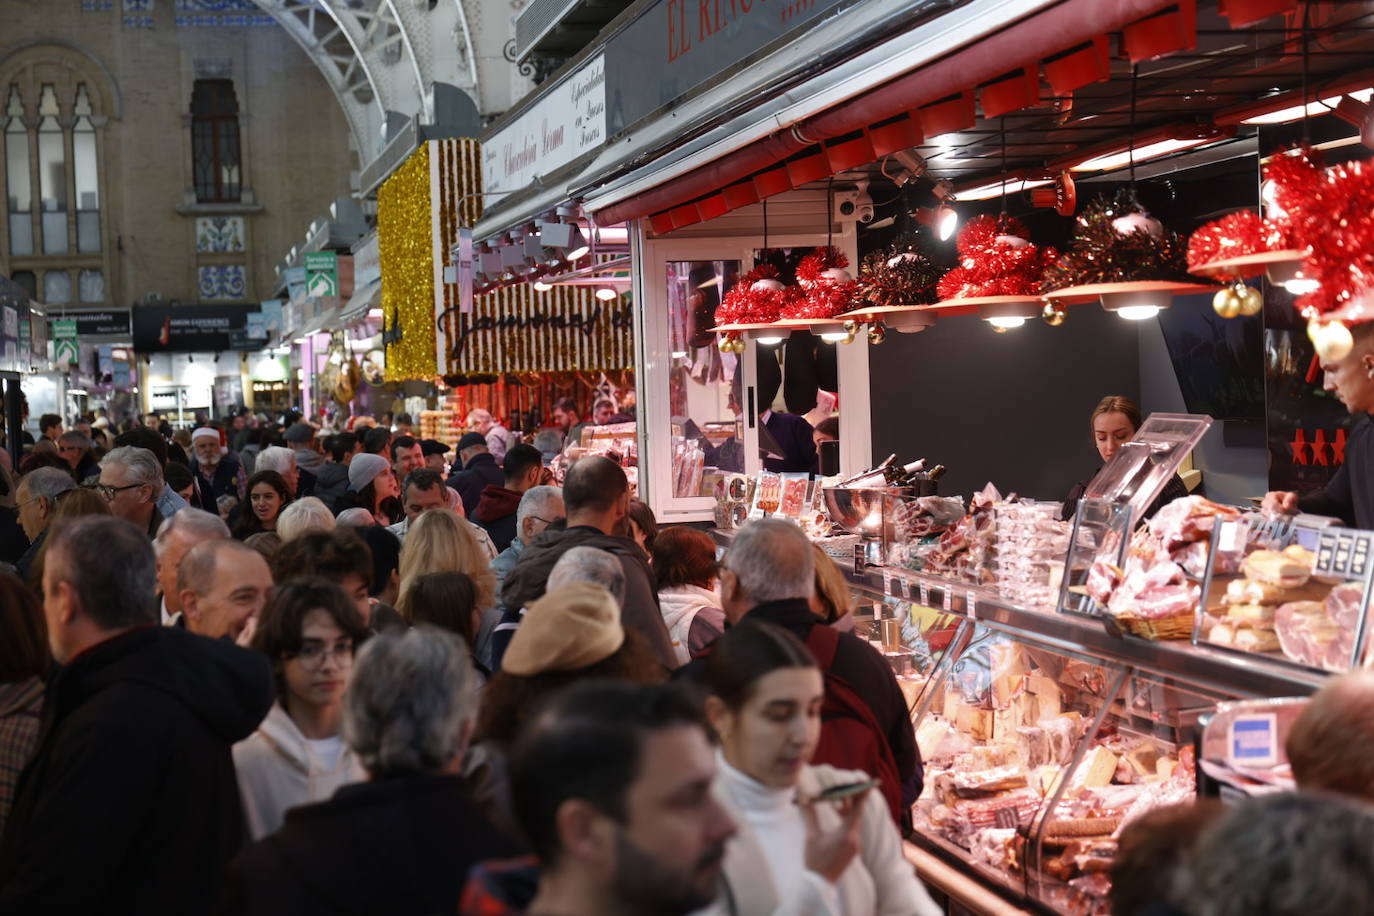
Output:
x,y
309,631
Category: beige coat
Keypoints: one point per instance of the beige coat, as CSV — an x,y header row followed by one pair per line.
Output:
x,y
879,882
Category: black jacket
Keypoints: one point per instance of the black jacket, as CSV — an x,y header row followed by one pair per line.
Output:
x,y
1174,489
480,472
401,847
525,584
130,804
863,669
223,482
331,482
1350,494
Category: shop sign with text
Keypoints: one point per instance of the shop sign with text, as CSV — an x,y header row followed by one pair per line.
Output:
x,y
566,122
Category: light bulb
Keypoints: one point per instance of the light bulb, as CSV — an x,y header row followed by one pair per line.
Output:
x,y
1301,286
1138,312
605,293
833,336
770,341
1010,321
947,219
541,287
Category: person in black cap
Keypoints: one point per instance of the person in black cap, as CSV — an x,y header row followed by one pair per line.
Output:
x,y
301,438
479,470
434,452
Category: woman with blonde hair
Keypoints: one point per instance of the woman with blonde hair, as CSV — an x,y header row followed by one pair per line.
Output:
x,y
832,601
440,541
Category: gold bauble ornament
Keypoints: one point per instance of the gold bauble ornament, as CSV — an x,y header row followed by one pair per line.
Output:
x,y
851,326
1331,339
725,345
739,345
1251,302
1053,314
1226,303
997,329
877,334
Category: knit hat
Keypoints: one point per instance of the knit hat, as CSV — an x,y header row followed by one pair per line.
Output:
x,y
363,469
300,432
432,447
469,440
205,432
570,628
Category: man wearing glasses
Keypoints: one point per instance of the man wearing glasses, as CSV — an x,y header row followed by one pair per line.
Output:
x,y
131,482
37,496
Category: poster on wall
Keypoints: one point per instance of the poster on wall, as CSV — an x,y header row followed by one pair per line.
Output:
x,y
176,328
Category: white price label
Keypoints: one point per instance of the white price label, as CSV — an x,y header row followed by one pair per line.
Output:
x,y
906,588
949,598
972,604
925,595
887,583
1226,541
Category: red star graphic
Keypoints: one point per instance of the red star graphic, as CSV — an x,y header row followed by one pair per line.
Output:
x,y
1299,447
1319,448
1338,447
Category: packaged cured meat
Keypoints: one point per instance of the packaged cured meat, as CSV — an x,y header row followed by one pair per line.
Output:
x,y
1308,635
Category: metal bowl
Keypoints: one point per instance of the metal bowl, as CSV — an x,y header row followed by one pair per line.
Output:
x,y
859,511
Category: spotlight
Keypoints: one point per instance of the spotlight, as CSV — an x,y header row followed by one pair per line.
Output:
x,y
606,294
1138,312
541,287
577,245
1007,322
946,221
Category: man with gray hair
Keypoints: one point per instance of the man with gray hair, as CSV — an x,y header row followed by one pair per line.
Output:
x,y
178,535
37,496
131,803
75,449
131,482
539,508
283,461
411,704
769,575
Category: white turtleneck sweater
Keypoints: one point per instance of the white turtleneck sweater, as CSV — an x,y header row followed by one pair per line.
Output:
x,y
776,821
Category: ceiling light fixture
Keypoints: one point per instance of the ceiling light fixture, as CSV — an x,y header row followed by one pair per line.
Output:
x,y
541,287
1122,158
606,294
993,189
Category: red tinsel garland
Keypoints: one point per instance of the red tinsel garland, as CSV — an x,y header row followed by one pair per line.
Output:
x,y
988,267
1233,236
1337,222
744,304
822,297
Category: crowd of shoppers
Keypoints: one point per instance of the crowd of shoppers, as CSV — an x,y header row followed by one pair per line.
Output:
x,y
351,697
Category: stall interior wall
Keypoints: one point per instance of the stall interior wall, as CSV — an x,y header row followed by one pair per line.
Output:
x,y
1008,408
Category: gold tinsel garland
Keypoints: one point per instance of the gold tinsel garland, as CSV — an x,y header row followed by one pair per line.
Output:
x,y
405,249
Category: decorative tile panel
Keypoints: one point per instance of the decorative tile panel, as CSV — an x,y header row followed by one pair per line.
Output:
x,y
219,233
138,14
220,13
222,281
97,6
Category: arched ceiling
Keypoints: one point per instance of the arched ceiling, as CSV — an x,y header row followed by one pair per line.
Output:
x,y
382,55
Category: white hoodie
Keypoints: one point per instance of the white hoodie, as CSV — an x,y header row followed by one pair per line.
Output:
x,y
681,605
278,770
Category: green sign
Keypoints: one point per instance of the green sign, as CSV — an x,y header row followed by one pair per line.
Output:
x,y
64,349
321,274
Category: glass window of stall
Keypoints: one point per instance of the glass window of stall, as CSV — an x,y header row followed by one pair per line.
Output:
x,y
701,410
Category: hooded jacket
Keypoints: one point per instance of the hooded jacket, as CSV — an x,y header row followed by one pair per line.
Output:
x,y
331,482
482,471
400,846
525,584
496,512
278,770
130,804
694,619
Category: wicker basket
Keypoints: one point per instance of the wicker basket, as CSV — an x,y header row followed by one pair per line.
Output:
x,y
1178,626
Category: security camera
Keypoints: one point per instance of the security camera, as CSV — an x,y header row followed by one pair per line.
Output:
x,y
854,204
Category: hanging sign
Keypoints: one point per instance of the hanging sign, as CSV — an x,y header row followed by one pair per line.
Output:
x,y
64,347
321,274
566,122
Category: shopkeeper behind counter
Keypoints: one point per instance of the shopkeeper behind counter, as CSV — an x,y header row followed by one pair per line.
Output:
x,y
1349,495
1114,421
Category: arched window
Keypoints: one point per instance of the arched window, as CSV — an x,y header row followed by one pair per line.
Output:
x,y
52,173
17,177
215,141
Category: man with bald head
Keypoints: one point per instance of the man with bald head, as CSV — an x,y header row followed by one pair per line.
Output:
x,y
224,585
1349,495
596,496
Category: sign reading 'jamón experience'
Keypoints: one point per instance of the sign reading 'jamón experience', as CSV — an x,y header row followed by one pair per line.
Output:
x,y
518,329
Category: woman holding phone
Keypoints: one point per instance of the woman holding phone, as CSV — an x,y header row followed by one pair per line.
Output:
x,y
811,839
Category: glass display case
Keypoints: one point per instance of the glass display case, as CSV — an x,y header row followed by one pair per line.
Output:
x,y
1293,594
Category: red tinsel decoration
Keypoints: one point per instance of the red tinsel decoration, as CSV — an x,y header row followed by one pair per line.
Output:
x,y
1337,222
989,267
1233,236
1295,176
821,297
744,304
898,275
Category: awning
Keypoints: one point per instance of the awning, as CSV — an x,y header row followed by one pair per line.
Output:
x,y
362,301
774,92
863,104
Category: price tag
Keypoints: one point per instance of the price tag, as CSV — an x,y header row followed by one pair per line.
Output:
x,y
1343,549
925,594
972,604
887,583
1226,541
860,558
1326,551
906,587
1359,564
949,598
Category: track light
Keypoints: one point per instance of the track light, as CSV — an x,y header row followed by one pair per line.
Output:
x,y
577,245
606,294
